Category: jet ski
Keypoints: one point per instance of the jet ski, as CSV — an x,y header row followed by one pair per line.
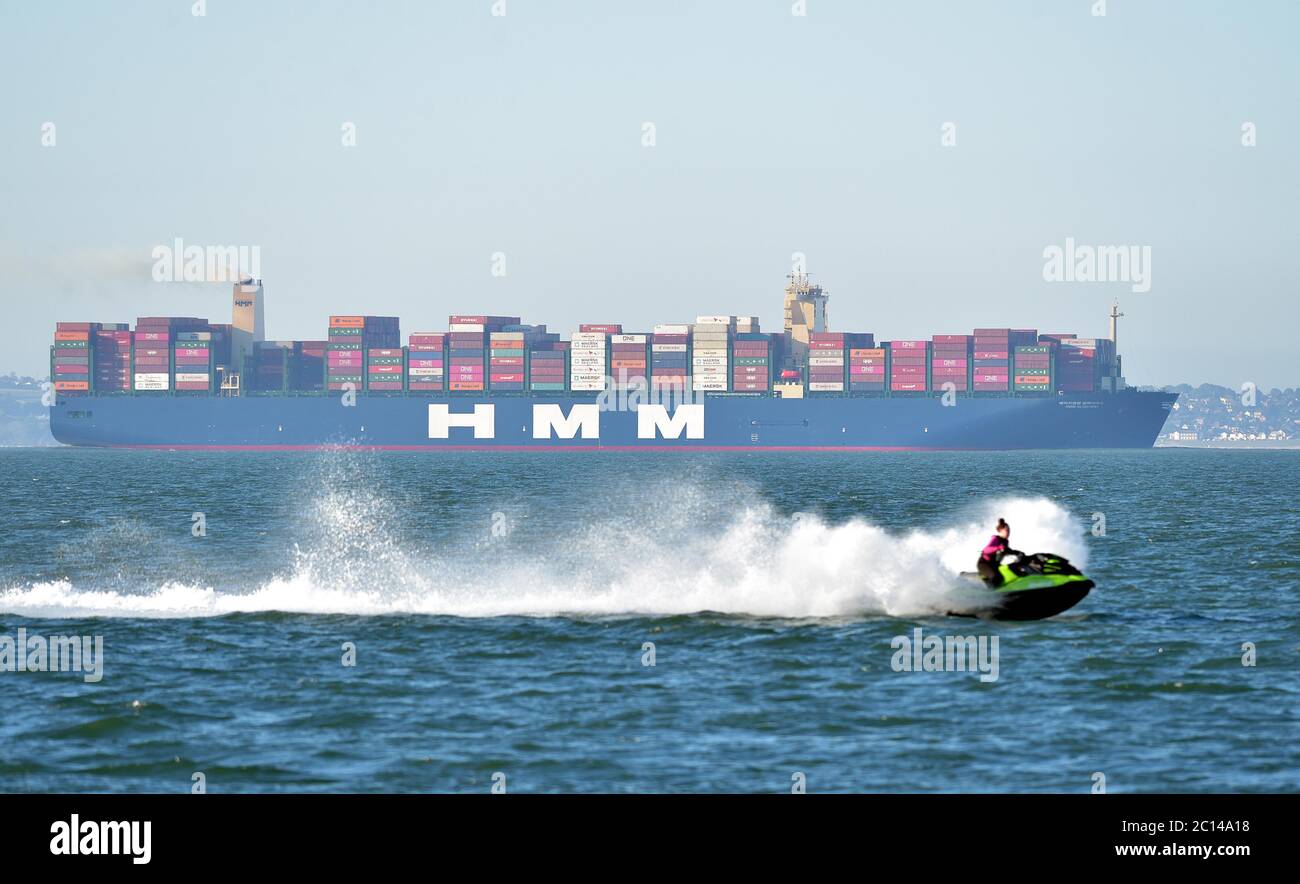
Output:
x,y
1033,587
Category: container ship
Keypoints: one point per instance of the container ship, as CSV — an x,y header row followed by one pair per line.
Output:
x,y
496,383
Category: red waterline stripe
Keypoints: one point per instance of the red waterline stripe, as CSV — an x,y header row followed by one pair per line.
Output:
x,y
518,448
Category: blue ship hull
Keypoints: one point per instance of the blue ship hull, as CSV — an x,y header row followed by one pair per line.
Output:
x,y
1129,419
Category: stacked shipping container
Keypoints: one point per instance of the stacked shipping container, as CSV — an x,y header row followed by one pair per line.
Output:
x,y
669,360
386,369
152,353
826,362
344,353
587,360
110,355
710,346
192,360
716,354
349,339
867,367
991,352
1081,363
426,362
950,362
909,364
506,361
70,357
307,372
627,361
271,366
751,361
548,365
467,350
1032,366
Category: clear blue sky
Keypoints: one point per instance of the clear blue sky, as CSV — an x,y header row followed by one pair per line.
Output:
x,y
775,134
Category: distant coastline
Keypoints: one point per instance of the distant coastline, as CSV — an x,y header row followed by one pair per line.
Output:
x,y
1230,445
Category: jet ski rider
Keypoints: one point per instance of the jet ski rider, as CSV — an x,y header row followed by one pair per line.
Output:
x,y
997,547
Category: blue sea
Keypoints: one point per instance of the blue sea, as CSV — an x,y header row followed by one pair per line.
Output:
x,y
549,622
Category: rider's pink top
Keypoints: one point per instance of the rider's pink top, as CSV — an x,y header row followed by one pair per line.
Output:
x,y
997,543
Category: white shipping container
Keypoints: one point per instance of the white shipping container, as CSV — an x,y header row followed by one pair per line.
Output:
x,y
152,381
1081,343
465,327
714,320
826,360
425,372
825,388
668,348
627,339
672,329
192,378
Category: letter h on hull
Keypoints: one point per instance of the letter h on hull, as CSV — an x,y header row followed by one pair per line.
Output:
x,y
482,421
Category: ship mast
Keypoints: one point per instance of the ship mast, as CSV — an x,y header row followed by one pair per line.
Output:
x,y
1116,367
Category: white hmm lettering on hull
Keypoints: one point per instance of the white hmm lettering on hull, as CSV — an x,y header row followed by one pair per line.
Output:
x,y
441,420
550,417
650,418
550,421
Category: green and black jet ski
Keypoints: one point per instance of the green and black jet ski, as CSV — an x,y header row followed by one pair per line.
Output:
x,y
1033,587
